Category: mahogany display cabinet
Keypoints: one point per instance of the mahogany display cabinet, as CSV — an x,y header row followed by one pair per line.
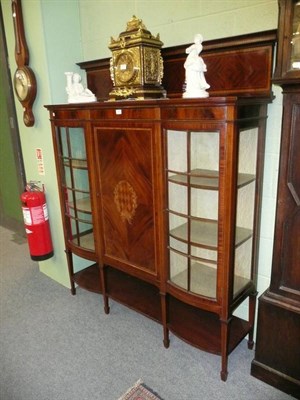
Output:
x,y
163,196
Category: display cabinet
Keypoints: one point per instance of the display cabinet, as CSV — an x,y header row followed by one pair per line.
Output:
x,y
164,196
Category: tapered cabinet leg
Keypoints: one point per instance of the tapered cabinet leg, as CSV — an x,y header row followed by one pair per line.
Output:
x,y
104,289
225,325
164,319
71,270
252,308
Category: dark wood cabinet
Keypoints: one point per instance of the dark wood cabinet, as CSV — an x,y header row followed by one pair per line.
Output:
x,y
164,196
277,355
277,351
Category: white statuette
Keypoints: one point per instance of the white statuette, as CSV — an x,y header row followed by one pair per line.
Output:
x,y
75,90
195,67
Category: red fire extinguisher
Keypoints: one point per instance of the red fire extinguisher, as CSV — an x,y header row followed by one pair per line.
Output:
x,y
36,222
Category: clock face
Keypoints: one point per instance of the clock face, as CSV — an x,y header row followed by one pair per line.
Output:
x,y
22,83
25,88
125,71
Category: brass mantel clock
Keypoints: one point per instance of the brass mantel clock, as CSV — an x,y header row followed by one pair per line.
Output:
x,y
136,66
24,78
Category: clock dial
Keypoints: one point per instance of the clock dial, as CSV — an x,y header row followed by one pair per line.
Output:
x,y
25,88
22,84
125,71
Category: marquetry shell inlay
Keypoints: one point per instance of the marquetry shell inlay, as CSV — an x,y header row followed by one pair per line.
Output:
x,y
125,199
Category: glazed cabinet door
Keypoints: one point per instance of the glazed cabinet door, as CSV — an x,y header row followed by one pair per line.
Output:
x,y
249,175
212,179
75,189
192,171
128,173
211,204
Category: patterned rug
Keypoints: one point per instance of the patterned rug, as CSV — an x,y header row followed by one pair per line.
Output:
x,y
140,392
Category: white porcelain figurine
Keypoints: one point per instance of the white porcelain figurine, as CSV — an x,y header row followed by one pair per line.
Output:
x,y
75,90
195,67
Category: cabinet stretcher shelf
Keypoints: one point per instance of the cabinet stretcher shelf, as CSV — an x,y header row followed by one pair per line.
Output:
x,y
201,328
134,293
204,280
88,278
204,233
208,179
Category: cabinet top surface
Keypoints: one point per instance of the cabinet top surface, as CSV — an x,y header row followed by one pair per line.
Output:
x,y
212,101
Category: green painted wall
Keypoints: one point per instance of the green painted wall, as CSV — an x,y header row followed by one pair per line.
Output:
x,y
9,193
176,21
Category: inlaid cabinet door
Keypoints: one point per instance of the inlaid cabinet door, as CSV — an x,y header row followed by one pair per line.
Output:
x,y
127,170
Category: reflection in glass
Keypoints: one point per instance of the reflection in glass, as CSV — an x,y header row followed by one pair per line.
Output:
x,y
295,40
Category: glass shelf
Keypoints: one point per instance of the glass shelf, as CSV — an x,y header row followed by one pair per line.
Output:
x,y
205,234
203,280
83,205
204,178
75,163
85,240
